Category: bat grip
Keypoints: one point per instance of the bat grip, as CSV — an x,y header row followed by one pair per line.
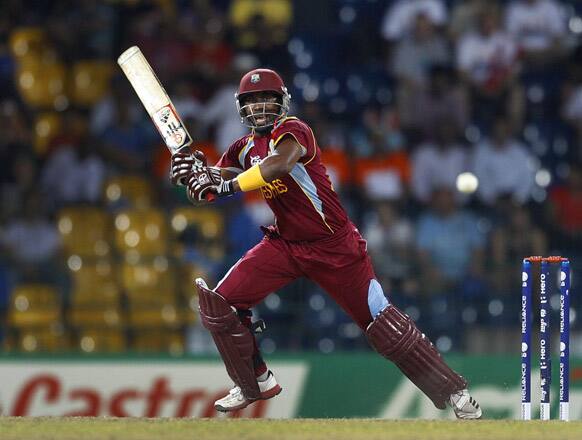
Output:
x,y
186,149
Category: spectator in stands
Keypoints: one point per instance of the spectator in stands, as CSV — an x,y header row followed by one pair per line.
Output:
x,y
329,133
377,133
450,245
436,164
465,16
487,61
539,28
242,228
74,174
204,27
390,237
422,110
572,98
127,143
20,178
399,18
273,17
205,254
184,98
510,242
219,112
7,64
565,210
382,165
17,138
417,53
503,165
15,145
105,112
32,244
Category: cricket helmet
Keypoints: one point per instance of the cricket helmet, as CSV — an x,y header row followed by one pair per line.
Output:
x,y
261,80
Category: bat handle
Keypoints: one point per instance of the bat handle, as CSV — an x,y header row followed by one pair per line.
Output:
x,y
183,149
186,149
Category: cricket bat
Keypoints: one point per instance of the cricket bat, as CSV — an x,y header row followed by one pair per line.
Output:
x,y
154,98
156,101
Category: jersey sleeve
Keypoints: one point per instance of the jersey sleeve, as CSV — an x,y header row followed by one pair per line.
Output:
x,y
229,160
302,135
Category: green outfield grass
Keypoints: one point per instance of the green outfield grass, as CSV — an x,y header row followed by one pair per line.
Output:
x,y
313,429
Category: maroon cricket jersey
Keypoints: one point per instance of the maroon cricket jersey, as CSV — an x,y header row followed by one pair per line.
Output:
x,y
305,205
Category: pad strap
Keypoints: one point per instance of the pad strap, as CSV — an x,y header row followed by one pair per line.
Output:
x,y
395,336
234,341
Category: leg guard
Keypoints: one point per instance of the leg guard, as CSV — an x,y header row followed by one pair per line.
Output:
x,y
234,341
395,336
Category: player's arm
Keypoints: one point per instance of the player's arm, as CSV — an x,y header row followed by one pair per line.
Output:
x,y
227,174
275,166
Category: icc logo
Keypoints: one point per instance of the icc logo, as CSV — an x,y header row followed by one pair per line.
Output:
x,y
255,160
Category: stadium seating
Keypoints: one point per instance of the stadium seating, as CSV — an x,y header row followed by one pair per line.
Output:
x,y
159,340
90,81
209,222
42,83
148,315
188,274
129,191
148,281
90,315
85,231
95,283
34,305
46,127
27,41
40,339
96,297
99,340
141,232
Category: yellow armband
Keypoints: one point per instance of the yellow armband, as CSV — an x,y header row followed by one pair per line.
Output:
x,y
251,179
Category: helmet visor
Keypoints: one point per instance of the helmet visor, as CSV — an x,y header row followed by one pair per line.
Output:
x,y
260,114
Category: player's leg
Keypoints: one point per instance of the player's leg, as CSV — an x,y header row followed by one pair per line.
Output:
x,y
394,335
225,313
350,280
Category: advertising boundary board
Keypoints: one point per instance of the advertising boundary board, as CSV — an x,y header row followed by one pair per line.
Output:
x,y
355,384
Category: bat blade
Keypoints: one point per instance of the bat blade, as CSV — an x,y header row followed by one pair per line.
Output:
x,y
154,98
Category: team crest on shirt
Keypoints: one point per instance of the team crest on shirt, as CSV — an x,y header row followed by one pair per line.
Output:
x,y
255,78
255,160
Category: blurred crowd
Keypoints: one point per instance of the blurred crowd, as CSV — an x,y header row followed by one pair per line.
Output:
x,y
452,130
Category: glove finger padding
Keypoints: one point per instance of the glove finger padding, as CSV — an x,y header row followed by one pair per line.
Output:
x,y
200,156
181,166
201,187
193,189
201,165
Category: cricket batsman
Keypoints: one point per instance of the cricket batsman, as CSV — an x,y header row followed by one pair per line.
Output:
x,y
312,237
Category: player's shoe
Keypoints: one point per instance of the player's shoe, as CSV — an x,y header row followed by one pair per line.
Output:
x,y
235,400
464,406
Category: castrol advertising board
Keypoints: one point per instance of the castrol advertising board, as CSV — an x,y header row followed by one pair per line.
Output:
x,y
129,390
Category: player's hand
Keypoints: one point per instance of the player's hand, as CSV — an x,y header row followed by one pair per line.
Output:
x,y
200,167
184,163
181,166
205,185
